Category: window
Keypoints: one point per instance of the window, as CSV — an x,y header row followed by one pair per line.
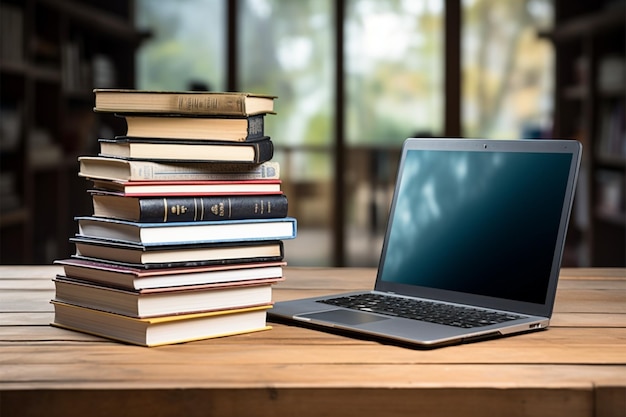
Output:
x,y
188,44
392,82
394,67
286,49
393,78
507,69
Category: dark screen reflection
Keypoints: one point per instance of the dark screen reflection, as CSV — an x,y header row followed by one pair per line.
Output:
x,y
479,222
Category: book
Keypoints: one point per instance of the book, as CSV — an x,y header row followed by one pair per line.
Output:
x,y
187,232
121,276
144,170
185,188
228,129
259,151
164,256
165,301
12,32
190,209
182,102
160,330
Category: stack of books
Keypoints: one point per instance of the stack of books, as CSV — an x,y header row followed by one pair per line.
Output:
x,y
186,236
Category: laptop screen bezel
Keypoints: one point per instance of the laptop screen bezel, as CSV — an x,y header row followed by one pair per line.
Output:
x,y
572,147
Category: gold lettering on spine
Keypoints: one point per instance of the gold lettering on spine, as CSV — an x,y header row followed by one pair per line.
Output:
x,y
223,103
164,209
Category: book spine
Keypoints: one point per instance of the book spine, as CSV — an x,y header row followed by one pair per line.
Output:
x,y
256,127
186,264
195,171
264,151
189,209
226,104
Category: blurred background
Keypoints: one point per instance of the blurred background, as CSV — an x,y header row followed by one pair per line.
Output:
x,y
354,78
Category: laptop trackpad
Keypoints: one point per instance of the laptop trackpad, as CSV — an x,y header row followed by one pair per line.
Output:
x,y
343,317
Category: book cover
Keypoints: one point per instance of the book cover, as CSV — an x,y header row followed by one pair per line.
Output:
x,y
190,209
142,279
96,167
168,126
255,152
160,330
183,255
182,102
187,232
164,301
185,188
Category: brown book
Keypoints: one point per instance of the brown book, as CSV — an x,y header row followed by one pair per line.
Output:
x,y
194,151
160,330
183,102
185,188
230,129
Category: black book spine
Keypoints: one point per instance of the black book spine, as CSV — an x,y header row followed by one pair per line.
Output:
x,y
189,209
264,150
256,127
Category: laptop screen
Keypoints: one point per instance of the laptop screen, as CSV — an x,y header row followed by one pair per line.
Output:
x,y
477,221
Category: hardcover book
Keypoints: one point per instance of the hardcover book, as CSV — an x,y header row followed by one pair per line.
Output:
x,y
190,209
185,188
255,152
164,301
187,232
182,102
162,256
124,277
186,236
145,170
160,330
195,128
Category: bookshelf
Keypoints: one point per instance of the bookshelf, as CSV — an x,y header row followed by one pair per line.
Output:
x,y
52,54
590,105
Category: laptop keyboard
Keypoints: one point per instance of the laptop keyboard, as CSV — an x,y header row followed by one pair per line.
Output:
x,y
432,312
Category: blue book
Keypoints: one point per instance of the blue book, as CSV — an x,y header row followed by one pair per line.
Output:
x,y
187,232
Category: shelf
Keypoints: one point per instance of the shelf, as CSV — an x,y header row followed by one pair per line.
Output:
x,y
611,161
14,217
581,92
613,92
617,219
19,68
48,75
576,92
586,105
38,73
603,21
111,25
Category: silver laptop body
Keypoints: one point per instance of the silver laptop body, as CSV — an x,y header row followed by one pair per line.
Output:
x,y
476,223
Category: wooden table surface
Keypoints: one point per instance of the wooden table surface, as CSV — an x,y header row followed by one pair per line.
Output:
x,y
575,368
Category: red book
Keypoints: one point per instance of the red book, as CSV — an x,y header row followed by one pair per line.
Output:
x,y
189,188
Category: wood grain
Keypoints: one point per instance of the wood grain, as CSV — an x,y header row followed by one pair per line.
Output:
x,y
575,368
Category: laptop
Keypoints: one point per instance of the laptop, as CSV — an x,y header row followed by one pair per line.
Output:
x,y
472,249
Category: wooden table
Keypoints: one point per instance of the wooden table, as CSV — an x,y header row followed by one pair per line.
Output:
x,y
575,368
